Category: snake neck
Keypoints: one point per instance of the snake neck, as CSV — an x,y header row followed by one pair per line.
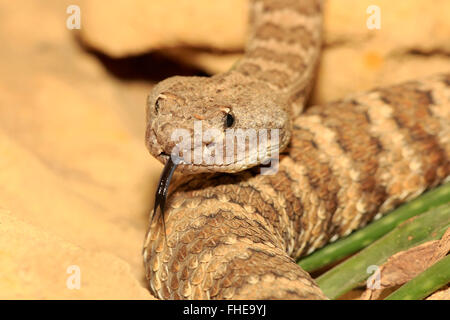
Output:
x,y
283,49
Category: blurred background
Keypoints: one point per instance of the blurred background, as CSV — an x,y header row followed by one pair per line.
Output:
x,y
76,181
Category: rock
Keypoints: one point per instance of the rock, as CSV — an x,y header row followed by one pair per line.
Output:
x,y
412,41
132,27
38,265
75,175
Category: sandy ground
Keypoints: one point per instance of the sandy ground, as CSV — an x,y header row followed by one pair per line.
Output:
x,y
76,182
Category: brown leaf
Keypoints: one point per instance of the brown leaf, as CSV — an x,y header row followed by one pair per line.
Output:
x,y
405,265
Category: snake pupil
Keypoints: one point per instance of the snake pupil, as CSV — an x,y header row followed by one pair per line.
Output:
x,y
229,121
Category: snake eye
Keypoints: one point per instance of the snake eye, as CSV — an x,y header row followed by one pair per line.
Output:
x,y
229,120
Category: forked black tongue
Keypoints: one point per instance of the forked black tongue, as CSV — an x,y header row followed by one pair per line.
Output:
x,y
163,187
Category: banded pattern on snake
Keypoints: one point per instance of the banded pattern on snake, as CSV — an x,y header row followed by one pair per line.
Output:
x,y
234,236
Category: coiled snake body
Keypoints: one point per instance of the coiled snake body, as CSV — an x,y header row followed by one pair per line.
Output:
x,y
234,235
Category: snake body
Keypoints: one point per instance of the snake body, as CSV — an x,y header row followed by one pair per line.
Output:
x,y
234,236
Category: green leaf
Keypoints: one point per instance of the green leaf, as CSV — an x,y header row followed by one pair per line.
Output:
x,y
362,238
428,226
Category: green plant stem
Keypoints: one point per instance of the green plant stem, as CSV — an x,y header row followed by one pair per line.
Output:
x,y
425,283
362,238
347,275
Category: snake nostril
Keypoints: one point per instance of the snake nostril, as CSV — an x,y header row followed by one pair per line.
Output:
x,y
157,105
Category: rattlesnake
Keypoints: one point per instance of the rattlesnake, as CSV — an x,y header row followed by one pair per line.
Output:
x,y
233,235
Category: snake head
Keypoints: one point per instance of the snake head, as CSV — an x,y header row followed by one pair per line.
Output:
x,y
216,124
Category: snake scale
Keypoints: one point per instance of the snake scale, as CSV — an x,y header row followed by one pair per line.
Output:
x,y
231,233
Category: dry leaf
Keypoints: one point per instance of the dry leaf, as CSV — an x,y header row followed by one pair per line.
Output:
x,y
405,265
